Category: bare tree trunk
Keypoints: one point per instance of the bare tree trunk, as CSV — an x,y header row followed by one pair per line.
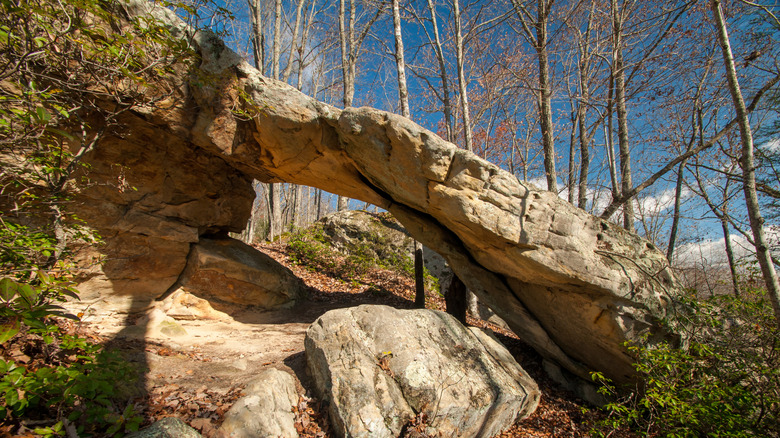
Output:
x,y
545,91
403,96
403,93
464,98
676,214
618,72
348,84
747,164
538,38
350,50
294,43
277,45
443,74
582,109
724,223
258,43
572,153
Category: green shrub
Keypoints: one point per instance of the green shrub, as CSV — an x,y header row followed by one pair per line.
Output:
x,y
89,389
724,383
311,247
67,77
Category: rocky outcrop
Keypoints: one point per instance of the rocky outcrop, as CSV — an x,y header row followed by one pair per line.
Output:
x,y
266,410
573,286
382,237
380,369
379,233
229,271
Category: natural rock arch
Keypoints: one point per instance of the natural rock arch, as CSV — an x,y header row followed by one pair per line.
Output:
x,y
571,285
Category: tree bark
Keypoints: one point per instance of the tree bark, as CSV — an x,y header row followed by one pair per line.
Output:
x,y
294,42
464,98
618,72
538,38
443,74
277,45
545,91
258,43
572,152
747,163
582,109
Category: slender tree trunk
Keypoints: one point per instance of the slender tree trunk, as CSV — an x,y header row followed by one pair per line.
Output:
x,y
545,92
582,109
572,153
277,45
747,164
348,84
464,98
676,214
724,223
403,93
275,189
294,43
403,97
258,43
619,73
443,74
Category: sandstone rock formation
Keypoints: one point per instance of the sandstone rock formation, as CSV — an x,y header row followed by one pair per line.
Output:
x,y
227,270
573,286
266,410
380,367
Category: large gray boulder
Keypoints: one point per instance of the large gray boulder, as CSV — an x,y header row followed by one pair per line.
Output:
x,y
379,368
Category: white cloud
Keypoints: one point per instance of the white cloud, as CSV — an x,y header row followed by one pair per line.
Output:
x,y
712,252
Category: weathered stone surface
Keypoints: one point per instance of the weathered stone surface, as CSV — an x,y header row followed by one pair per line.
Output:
x,y
266,410
379,233
231,271
379,367
383,237
573,286
150,195
169,427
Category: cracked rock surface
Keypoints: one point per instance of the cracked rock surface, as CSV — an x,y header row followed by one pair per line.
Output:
x,y
382,369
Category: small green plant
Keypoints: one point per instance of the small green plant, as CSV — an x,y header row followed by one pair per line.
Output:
x,y
87,388
311,247
724,383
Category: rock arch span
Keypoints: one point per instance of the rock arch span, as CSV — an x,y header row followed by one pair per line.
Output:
x,y
571,285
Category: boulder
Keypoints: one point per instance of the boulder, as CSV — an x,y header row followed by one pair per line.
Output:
x,y
573,286
230,271
169,427
266,410
381,234
381,369
381,237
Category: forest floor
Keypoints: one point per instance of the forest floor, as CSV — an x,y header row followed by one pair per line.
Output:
x,y
197,373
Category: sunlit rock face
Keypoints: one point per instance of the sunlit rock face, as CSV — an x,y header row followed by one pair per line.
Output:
x,y
571,285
